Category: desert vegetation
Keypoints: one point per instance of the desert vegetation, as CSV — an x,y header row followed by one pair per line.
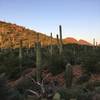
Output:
x,y
57,71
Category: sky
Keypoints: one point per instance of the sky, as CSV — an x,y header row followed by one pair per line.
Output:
x,y
79,18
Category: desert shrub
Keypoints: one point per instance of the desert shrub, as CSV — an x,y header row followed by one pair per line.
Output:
x,y
9,63
6,92
68,93
70,56
57,63
64,94
91,62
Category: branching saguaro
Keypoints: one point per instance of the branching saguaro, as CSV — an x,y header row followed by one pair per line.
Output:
x,y
38,59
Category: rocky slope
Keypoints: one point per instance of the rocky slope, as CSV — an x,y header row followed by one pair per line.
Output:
x,y
11,34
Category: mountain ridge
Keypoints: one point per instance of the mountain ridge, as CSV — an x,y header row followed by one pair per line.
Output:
x,y
11,34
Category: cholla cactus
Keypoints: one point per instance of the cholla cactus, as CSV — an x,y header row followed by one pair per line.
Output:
x,y
68,75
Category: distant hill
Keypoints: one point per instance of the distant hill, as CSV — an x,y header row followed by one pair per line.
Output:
x,y
83,42
11,34
70,40
73,40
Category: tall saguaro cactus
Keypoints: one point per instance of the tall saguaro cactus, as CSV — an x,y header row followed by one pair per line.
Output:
x,y
20,55
68,75
51,48
94,43
58,43
61,42
38,59
60,30
57,40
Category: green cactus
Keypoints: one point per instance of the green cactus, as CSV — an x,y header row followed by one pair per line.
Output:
x,y
61,42
94,43
38,59
28,46
60,30
57,96
68,75
20,55
57,40
51,48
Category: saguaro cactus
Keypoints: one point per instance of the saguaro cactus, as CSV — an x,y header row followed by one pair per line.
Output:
x,y
94,43
28,47
61,42
57,96
38,59
20,55
68,75
51,48
57,40
60,30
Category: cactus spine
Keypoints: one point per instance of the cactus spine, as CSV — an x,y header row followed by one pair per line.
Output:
x,y
68,75
20,55
38,59
61,42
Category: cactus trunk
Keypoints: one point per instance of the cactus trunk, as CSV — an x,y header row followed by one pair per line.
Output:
x,y
51,48
57,40
68,76
38,59
20,56
61,42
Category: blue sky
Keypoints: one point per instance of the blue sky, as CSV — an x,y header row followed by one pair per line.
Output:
x,y
79,18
